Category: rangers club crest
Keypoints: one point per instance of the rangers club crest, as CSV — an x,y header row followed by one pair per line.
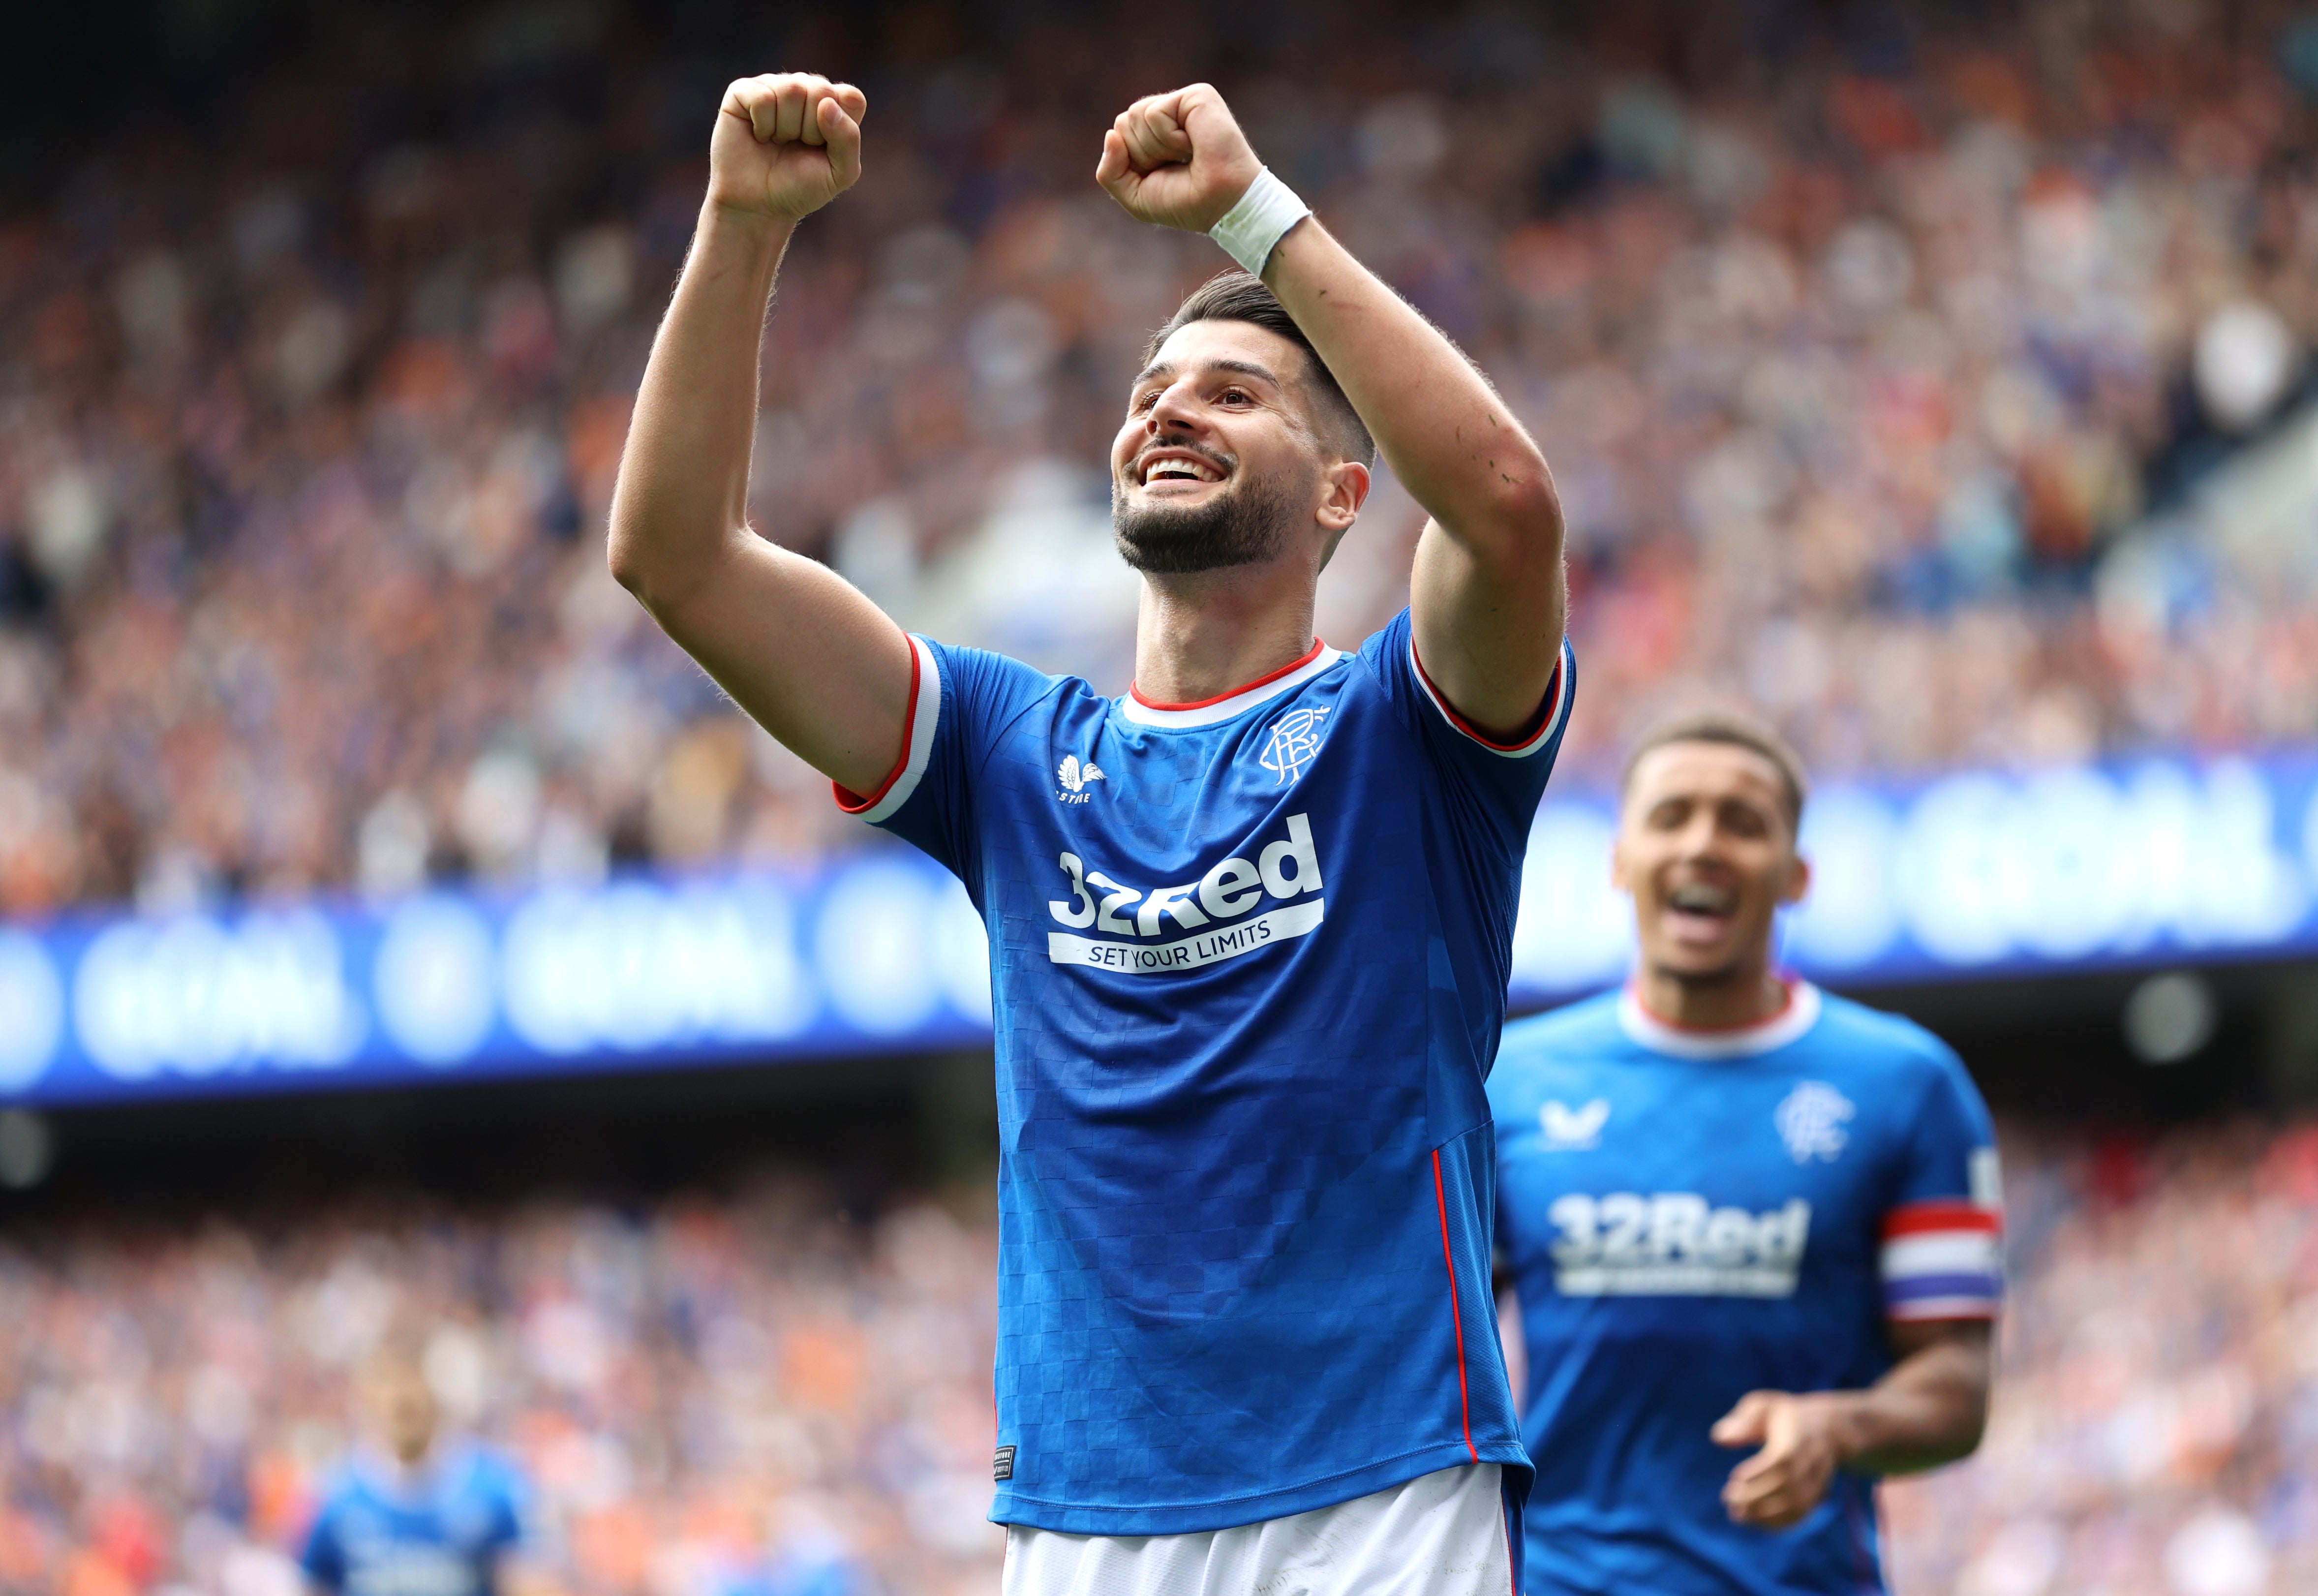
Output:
x,y
1293,743
1811,1122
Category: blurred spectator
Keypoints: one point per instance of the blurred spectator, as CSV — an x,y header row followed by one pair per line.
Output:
x,y
1875,357
412,1511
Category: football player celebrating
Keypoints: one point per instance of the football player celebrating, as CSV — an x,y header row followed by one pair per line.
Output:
x,y
1249,922
1739,1213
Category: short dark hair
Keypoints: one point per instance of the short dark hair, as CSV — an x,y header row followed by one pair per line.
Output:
x,y
1234,295
1731,729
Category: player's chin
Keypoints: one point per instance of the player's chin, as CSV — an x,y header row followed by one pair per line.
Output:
x,y
1691,961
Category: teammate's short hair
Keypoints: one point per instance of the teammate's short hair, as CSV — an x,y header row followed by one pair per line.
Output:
x,y
1731,729
1234,295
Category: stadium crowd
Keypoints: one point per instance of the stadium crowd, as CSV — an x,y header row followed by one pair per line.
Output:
x,y
747,1396
1871,358
750,1396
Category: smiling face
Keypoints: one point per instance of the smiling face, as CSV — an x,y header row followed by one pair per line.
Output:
x,y
1219,461
1706,844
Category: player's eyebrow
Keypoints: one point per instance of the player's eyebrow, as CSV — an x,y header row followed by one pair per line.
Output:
x,y
1247,368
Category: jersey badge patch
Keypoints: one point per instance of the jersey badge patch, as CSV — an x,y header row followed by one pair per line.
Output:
x,y
1810,1121
1075,777
1573,1130
1294,742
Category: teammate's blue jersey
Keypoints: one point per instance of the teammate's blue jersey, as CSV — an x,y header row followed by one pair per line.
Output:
x,y
1693,1215
1248,967
442,1530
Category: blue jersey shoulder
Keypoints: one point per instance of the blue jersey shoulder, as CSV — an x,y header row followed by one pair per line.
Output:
x,y
1913,1059
1581,1029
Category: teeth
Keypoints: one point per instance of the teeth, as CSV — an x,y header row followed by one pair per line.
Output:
x,y
1177,469
1705,899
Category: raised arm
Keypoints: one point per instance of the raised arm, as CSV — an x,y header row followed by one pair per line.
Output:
x,y
817,665
1486,597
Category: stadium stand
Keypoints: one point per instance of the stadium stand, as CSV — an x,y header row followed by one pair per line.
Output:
x,y
1870,360
1888,357
743,1395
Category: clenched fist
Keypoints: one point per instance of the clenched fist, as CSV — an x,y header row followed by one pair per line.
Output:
x,y
786,143
1177,159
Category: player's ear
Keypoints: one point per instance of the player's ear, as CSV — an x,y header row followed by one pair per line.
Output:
x,y
1344,488
1798,881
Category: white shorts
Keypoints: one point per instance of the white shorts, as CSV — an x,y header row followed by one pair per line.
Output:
x,y
1442,1534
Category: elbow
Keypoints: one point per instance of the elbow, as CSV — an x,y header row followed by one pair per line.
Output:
x,y
628,552
1518,537
1966,1439
1529,507
624,556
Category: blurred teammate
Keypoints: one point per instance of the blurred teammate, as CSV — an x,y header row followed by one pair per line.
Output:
x,y
409,1513
1249,922
1739,1213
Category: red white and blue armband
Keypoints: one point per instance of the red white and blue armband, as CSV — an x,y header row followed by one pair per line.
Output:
x,y
1943,1260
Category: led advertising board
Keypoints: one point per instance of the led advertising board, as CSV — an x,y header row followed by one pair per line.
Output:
x,y
1972,875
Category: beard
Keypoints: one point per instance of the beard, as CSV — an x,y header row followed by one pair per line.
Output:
x,y
1246,524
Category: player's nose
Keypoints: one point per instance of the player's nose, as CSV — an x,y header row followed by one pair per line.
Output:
x,y
1174,412
1700,839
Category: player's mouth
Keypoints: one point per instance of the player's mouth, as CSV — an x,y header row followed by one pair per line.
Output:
x,y
1701,911
1178,470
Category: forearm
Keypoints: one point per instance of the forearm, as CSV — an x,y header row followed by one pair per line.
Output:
x,y
1929,1410
1447,435
682,493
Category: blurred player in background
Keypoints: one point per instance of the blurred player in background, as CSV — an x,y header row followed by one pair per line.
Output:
x,y
1739,1213
1249,922
413,1510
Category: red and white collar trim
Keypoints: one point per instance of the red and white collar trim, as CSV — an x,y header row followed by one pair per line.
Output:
x,y
1214,711
1790,1024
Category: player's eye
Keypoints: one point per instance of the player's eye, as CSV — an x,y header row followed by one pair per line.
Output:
x,y
1234,396
1144,401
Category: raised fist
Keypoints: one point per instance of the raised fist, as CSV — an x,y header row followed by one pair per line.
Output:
x,y
1178,159
786,144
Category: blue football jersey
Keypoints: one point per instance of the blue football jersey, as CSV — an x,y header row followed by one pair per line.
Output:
x,y
1691,1215
1248,964
442,1530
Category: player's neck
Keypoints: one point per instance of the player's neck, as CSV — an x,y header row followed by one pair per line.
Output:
x,y
1203,635
1743,997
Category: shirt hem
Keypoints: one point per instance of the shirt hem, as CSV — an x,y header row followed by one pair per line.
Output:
x,y
1027,1513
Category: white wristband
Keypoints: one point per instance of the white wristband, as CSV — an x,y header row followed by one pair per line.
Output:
x,y
1262,217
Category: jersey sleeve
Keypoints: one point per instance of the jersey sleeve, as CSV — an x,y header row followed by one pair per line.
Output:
x,y
1944,1234
323,1557
960,701
511,1517
1504,780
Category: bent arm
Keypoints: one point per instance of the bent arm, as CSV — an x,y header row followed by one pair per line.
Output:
x,y
1929,1410
1487,598
815,662
1932,1407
